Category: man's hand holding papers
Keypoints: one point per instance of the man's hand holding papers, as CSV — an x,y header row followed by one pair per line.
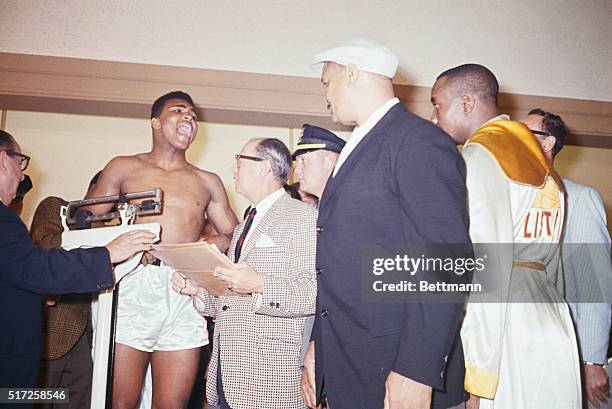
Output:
x,y
241,278
195,262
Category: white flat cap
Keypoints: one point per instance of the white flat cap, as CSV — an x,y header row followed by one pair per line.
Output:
x,y
366,55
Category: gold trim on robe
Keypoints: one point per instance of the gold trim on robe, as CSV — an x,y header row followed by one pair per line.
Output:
x,y
480,382
499,137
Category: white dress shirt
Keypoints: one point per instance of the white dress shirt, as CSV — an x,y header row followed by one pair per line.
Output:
x,y
262,208
361,131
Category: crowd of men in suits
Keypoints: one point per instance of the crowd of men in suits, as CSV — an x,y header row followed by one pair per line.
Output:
x,y
295,327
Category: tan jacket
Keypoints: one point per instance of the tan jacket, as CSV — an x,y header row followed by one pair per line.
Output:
x,y
64,323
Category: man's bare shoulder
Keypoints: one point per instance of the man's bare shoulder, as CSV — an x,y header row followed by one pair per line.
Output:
x,y
126,164
211,179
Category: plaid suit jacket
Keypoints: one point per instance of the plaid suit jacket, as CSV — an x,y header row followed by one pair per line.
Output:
x,y
64,323
259,337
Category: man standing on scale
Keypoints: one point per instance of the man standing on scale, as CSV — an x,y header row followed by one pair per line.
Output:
x,y
153,322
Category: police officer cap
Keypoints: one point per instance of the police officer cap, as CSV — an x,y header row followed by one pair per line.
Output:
x,y
314,138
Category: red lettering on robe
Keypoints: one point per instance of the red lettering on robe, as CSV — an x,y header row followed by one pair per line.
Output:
x,y
546,214
526,234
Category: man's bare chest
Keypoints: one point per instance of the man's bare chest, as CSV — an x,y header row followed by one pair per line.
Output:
x,y
183,191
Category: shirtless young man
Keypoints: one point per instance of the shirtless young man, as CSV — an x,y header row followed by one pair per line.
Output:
x,y
154,322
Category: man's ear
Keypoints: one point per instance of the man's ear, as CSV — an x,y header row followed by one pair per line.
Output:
x,y
4,163
352,74
155,123
468,102
265,168
548,144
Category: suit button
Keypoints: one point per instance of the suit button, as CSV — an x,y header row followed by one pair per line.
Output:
x,y
323,313
319,271
277,305
319,229
224,308
272,304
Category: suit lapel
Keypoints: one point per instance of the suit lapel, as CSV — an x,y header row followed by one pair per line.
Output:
x,y
334,182
264,225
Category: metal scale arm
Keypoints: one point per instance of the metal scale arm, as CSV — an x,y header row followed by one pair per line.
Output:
x,y
146,207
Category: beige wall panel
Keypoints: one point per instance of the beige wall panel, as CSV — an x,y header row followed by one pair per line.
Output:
x,y
67,150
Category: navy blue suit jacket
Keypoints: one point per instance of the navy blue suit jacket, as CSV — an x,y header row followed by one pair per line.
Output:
x,y
26,272
403,183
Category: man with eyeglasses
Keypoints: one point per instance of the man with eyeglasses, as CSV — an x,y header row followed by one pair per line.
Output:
x,y
586,266
27,271
154,324
520,348
258,331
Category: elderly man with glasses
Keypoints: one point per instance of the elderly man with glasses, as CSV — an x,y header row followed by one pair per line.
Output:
x,y
27,271
258,332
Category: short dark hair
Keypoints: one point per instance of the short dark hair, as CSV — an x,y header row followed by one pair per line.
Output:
x,y
474,78
278,154
553,125
159,102
6,140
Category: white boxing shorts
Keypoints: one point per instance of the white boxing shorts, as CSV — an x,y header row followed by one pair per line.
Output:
x,y
151,316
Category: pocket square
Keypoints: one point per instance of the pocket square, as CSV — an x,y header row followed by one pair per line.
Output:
x,y
264,241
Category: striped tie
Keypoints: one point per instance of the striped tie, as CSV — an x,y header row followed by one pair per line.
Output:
x,y
247,226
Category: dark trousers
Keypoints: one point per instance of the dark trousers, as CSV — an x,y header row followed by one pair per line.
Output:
x,y
18,372
73,371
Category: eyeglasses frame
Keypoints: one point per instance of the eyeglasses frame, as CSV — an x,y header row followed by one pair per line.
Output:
x,y
24,158
239,156
541,133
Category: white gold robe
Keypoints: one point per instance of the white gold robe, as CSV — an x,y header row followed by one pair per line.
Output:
x,y
519,354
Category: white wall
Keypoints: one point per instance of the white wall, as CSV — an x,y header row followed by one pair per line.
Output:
x,y
546,47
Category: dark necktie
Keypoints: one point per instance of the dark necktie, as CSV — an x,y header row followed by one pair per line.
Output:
x,y
247,226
